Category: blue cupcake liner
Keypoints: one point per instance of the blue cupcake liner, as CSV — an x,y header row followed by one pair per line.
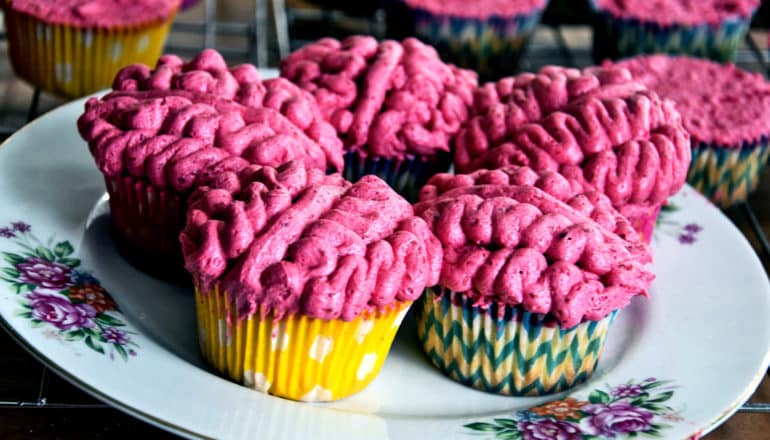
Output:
x,y
728,175
492,46
407,176
505,349
616,37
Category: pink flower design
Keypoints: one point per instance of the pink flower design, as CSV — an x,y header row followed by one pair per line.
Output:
x,y
548,429
44,273
616,418
60,312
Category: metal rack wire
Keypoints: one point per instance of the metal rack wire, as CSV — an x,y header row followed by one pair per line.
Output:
x,y
257,50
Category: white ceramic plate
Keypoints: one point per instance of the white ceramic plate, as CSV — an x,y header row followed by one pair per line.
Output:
x,y
676,364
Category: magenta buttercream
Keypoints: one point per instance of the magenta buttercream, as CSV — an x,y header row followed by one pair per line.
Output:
x,y
478,9
686,12
518,245
596,126
720,104
386,99
96,13
294,240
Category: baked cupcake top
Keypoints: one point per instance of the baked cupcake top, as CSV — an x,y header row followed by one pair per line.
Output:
x,y
386,99
720,104
518,245
596,126
96,13
478,9
685,12
294,240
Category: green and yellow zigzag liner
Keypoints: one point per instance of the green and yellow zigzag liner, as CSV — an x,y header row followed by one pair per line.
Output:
x,y
509,351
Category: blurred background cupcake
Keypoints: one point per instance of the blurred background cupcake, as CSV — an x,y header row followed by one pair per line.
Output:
x,y
704,28
486,36
725,109
75,47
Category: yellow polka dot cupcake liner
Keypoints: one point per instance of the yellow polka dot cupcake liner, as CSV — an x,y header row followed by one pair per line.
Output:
x,y
295,357
72,62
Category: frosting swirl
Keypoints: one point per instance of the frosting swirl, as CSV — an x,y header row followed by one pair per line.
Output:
x,y
518,245
386,99
682,12
96,13
293,240
596,126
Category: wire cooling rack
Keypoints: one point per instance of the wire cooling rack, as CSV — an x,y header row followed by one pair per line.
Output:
x,y
262,40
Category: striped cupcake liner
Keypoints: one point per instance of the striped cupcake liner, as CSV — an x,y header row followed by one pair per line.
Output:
x,y
73,62
406,176
616,37
504,349
492,47
727,176
146,223
295,357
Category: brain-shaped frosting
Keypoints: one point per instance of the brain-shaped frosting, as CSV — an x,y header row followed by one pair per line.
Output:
x,y
175,138
386,99
518,245
592,204
596,126
293,240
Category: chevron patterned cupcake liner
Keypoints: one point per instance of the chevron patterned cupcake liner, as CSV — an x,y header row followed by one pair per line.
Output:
x,y
492,46
727,176
296,357
406,176
616,38
504,349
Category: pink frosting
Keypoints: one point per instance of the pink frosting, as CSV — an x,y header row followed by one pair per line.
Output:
x,y
518,245
386,99
720,104
294,240
96,13
686,12
596,126
479,9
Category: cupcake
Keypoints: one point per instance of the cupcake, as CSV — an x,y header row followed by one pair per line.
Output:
x,y
396,106
529,286
302,278
74,47
486,36
597,126
163,132
726,110
705,28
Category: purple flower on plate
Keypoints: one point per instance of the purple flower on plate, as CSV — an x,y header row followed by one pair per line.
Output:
x,y
7,233
693,228
44,273
626,390
21,227
616,418
59,311
686,239
114,335
548,429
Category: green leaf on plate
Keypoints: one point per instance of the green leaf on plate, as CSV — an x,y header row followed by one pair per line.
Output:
x,y
45,253
121,351
93,344
13,273
599,396
74,335
508,435
71,262
36,323
108,320
12,258
481,426
506,423
662,397
63,249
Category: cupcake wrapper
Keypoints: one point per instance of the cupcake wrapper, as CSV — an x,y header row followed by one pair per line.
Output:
x,y
73,62
644,220
505,349
295,357
492,47
727,175
616,37
146,223
407,176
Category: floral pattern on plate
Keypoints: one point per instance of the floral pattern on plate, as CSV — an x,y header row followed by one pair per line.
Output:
x,y
685,233
57,294
626,410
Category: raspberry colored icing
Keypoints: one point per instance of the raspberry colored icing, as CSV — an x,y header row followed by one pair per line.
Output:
x,y
596,126
294,240
385,99
96,13
720,104
518,245
686,12
592,204
480,9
